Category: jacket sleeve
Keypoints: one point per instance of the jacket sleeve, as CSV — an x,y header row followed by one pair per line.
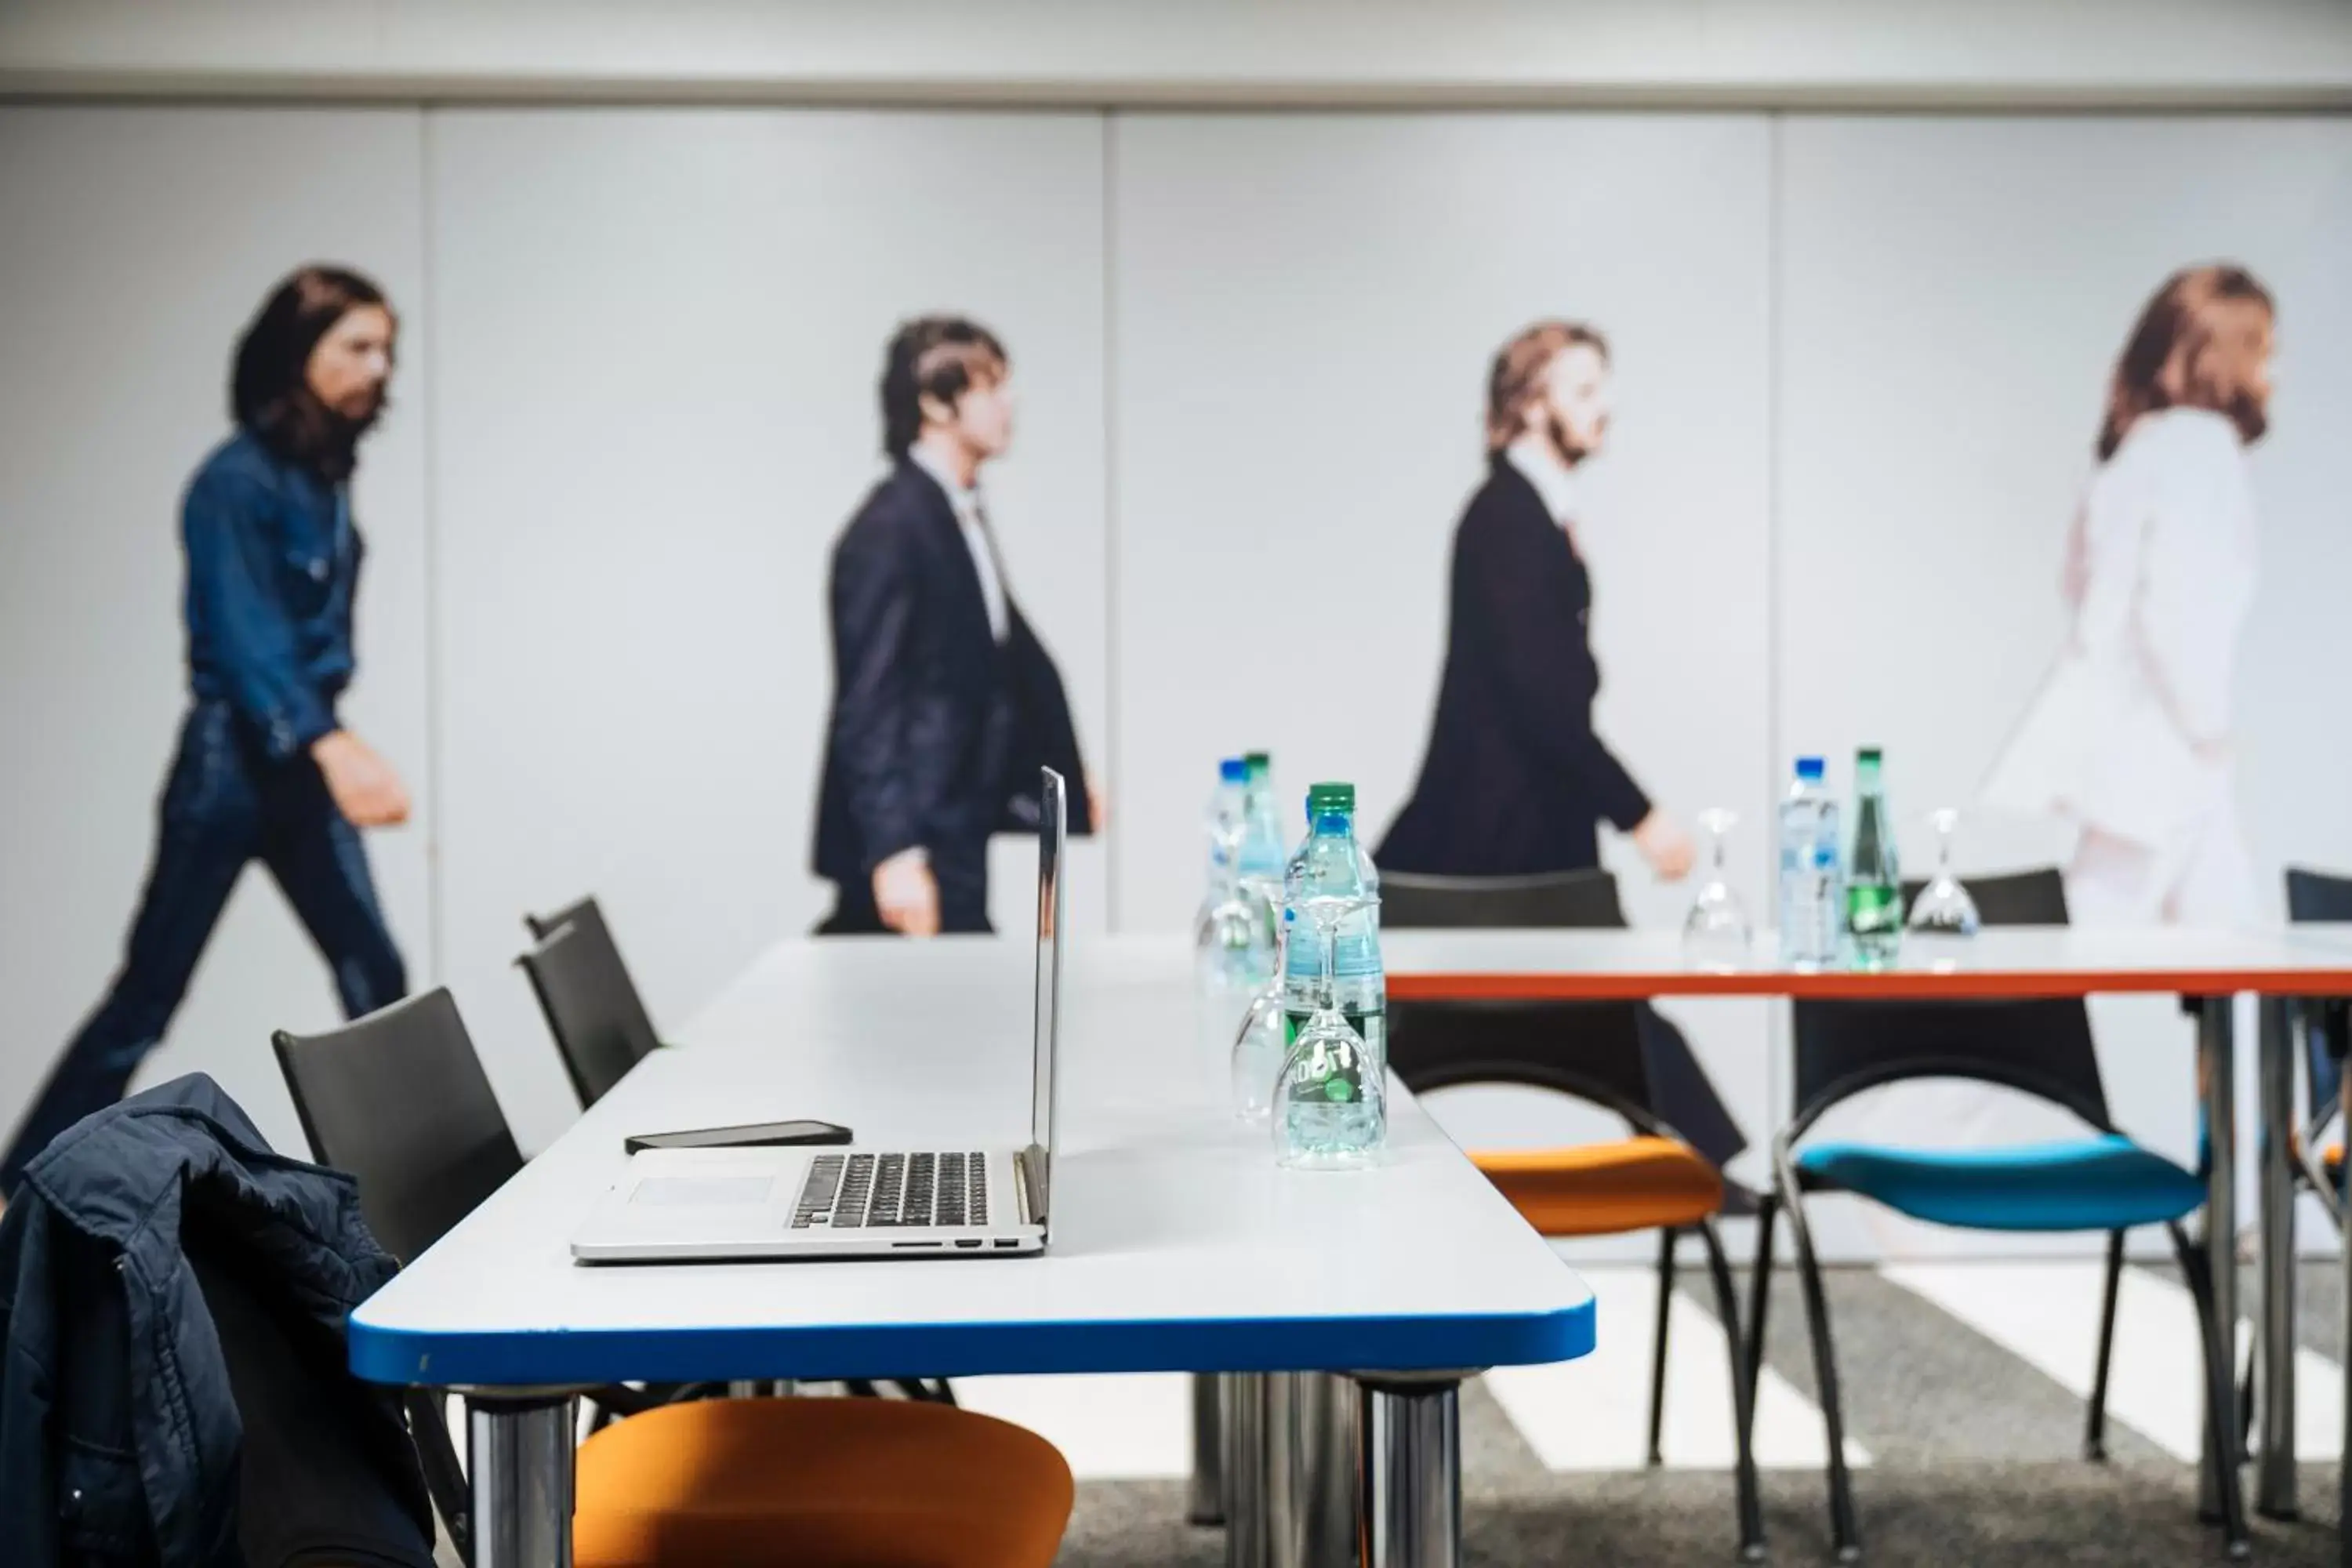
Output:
x,y
230,576
1048,735
873,629
1545,672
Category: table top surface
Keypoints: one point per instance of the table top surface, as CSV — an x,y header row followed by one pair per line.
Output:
x,y
1177,1244
2003,962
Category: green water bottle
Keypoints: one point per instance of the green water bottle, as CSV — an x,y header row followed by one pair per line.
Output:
x,y
1874,883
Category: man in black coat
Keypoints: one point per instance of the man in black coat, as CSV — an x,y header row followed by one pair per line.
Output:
x,y
1515,781
945,703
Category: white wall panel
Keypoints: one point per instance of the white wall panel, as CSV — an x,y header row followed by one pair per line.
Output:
x,y
1954,293
134,246
1304,312
660,335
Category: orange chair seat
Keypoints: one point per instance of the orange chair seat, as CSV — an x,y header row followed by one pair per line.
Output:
x,y
1604,1189
818,1483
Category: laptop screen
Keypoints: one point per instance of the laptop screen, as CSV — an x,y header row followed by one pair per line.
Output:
x,y
1053,820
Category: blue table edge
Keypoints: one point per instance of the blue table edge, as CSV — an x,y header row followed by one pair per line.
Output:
x,y
554,1357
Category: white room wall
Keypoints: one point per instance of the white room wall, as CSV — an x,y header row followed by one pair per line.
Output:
x,y
137,244
660,334
1954,295
1305,310
1859,361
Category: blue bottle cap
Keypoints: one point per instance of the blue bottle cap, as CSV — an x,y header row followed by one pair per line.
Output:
x,y
1232,770
1810,767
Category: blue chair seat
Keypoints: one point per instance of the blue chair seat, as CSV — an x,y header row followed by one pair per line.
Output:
x,y
2105,1183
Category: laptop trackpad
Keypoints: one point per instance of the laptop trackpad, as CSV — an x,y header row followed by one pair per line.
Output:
x,y
701,1192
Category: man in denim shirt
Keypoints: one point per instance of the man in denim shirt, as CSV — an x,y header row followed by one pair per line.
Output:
x,y
263,770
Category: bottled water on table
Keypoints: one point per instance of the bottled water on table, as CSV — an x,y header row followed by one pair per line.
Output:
x,y
1329,1104
1811,907
1233,941
1223,820
1261,869
1253,1041
1873,888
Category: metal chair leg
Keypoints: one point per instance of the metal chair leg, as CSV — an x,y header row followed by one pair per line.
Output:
x,y
2095,1425
2219,1364
1845,1535
1743,1383
1658,1344
1759,1288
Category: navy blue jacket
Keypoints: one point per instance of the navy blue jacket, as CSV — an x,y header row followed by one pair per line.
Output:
x,y
1515,782
938,731
273,567
120,1434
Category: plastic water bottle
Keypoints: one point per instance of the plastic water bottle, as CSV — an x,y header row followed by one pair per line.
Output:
x,y
1330,1102
1873,888
1811,913
1222,821
1261,850
1233,939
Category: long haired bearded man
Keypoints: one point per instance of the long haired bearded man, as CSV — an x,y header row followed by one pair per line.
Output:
x,y
264,769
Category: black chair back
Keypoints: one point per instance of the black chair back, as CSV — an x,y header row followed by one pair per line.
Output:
x,y
400,1100
2041,1047
1613,1054
1549,902
592,1007
2316,897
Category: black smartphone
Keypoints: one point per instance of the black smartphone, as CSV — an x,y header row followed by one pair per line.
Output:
x,y
754,1135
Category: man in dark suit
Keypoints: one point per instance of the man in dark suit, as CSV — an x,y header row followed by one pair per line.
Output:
x,y
945,703
1515,782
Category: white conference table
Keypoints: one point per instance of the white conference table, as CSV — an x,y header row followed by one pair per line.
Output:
x,y
2285,967
1178,1245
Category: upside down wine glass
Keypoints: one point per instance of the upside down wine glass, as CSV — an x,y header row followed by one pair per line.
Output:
x,y
1717,933
1943,906
1257,1046
1328,1104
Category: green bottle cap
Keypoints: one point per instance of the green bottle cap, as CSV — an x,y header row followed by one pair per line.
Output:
x,y
1326,797
1259,763
1868,756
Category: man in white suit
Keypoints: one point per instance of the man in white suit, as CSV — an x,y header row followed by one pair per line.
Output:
x,y
2131,736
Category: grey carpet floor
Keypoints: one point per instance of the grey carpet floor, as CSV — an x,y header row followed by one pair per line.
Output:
x,y
1975,1463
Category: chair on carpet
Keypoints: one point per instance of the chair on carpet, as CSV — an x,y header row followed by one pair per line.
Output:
x,y
2318,897
1623,1058
399,1099
593,1008
2103,1182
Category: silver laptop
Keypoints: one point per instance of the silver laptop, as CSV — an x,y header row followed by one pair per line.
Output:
x,y
677,1205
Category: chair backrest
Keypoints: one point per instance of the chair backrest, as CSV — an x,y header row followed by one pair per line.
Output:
x,y
1549,900
592,1009
2317,898
2042,1047
605,1030
400,1100
1594,1051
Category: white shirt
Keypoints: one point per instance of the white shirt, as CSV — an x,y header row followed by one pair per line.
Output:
x,y
966,502
1554,480
2130,730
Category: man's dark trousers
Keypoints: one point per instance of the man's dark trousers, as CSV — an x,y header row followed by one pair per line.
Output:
x,y
225,802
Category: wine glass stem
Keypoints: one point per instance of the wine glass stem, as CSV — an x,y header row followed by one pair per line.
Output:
x,y
1331,930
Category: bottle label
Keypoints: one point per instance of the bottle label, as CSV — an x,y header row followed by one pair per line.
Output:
x,y
1873,908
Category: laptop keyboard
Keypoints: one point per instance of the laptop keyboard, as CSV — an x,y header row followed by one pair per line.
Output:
x,y
864,1192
